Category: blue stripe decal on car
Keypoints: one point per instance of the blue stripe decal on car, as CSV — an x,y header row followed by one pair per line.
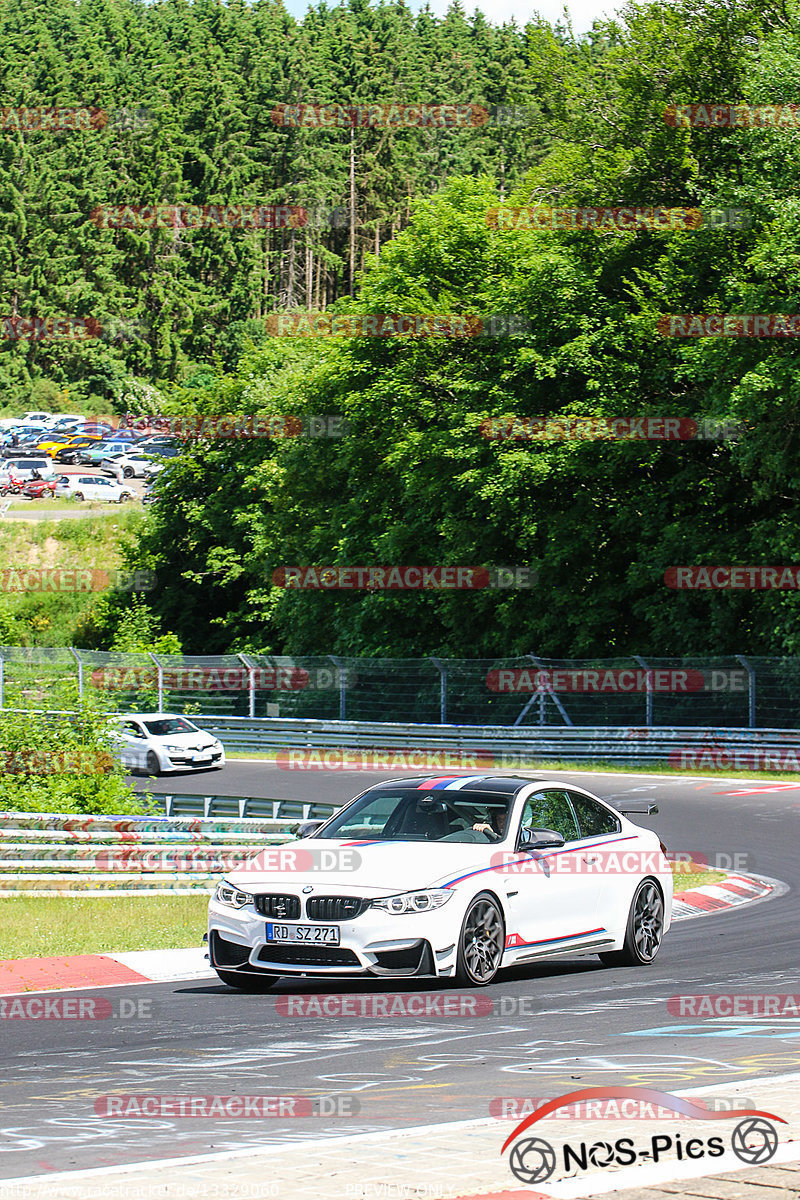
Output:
x,y
567,937
504,866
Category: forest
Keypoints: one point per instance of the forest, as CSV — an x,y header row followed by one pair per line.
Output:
x,y
573,326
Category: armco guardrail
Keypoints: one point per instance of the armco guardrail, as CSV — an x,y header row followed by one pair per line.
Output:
x,y
185,805
504,747
43,854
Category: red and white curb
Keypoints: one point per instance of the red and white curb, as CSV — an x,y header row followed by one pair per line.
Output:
x,y
716,897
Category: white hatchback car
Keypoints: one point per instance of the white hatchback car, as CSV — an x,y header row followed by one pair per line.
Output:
x,y
162,742
454,876
132,464
92,487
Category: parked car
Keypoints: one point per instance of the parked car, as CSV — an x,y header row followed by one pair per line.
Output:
x,y
162,742
132,464
39,489
69,452
61,420
94,455
447,876
53,444
91,487
24,467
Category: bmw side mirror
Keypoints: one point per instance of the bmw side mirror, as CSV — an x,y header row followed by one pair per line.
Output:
x,y
539,839
306,828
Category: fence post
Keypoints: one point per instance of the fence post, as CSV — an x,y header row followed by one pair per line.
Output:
x,y
337,662
79,661
442,669
751,690
648,704
251,678
160,670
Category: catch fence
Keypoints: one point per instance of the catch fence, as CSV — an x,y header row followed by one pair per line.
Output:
x,y
527,691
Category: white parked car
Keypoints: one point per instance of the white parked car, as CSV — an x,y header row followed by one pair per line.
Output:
x,y
132,464
25,467
92,487
448,877
162,742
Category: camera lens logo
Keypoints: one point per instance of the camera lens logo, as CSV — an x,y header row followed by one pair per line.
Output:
x,y
754,1140
533,1160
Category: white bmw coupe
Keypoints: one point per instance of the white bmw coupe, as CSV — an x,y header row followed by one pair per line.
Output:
x,y
453,876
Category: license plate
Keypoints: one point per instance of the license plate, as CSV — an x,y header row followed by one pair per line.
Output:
x,y
327,934
201,758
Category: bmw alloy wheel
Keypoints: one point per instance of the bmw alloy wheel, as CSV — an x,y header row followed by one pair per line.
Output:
x,y
482,941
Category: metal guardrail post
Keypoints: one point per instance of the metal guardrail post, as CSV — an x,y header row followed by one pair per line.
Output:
x,y
160,670
251,677
337,662
442,669
79,661
648,705
751,690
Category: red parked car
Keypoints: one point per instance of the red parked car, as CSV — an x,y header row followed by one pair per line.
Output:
x,y
36,489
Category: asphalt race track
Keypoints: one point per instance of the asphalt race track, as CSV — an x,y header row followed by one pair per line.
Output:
x,y
554,1028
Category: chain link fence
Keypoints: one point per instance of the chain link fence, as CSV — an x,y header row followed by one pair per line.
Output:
x,y
732,691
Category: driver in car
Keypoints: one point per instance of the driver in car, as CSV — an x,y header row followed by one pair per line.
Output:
x,y
496,831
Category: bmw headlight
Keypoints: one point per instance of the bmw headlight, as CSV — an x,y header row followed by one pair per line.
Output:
x,y
414,902
226,894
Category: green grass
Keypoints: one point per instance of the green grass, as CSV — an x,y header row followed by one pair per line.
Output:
x,y
685,881
94,507
34,926
94,542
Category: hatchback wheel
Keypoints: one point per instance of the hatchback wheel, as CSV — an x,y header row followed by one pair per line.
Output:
x,y
481,943
79,496
153,765
644,931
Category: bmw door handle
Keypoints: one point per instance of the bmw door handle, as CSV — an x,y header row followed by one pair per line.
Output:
x,y
591,858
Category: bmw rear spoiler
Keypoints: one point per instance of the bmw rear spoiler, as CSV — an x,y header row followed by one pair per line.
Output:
x,y
646,811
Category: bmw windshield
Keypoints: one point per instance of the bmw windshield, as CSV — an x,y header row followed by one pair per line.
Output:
x,y
408,814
